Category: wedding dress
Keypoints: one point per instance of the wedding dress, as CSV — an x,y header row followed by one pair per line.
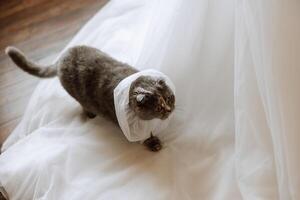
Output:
x,y
235,131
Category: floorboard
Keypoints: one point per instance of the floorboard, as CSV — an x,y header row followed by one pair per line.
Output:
x,y
41,28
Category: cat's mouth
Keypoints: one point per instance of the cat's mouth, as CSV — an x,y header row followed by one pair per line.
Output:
x,y
165,115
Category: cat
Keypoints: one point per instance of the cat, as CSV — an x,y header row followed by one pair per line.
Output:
x,y
90,76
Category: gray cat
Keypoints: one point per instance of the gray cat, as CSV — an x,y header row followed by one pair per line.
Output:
x,y
90,76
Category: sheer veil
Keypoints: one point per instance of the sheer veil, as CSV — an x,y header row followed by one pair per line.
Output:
x,y
267,97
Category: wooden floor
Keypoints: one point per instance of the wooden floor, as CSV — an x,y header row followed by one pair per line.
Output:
x,y
41,28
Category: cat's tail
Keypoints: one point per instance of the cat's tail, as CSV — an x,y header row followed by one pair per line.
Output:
x,y
28,66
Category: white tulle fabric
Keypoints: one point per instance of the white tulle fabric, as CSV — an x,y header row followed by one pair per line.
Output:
x,y
235,134
134,128
267,98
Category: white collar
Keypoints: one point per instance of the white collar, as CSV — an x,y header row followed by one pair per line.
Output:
x,y
134,128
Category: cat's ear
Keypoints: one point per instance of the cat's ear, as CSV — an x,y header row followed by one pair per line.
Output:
x,y
140,99
161,82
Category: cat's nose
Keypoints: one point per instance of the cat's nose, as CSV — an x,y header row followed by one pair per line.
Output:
x,y
168,109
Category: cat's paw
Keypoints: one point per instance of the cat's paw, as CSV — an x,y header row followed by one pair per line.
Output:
x,y
153,144
90,114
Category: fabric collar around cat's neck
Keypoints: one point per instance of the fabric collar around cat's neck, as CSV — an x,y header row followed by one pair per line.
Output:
x,y
134,128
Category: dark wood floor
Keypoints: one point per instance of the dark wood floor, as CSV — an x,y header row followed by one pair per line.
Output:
x,y
41,28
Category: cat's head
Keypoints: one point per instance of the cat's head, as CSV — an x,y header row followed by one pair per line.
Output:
x,y
151,98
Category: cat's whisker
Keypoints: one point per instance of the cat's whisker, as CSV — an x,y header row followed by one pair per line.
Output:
x,y
178,111
178,107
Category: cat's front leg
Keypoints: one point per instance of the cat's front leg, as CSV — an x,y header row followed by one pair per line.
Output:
x,y
153,143
89,114
2,197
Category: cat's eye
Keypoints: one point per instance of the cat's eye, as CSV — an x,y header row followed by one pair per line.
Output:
x,y
170,99
142,99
